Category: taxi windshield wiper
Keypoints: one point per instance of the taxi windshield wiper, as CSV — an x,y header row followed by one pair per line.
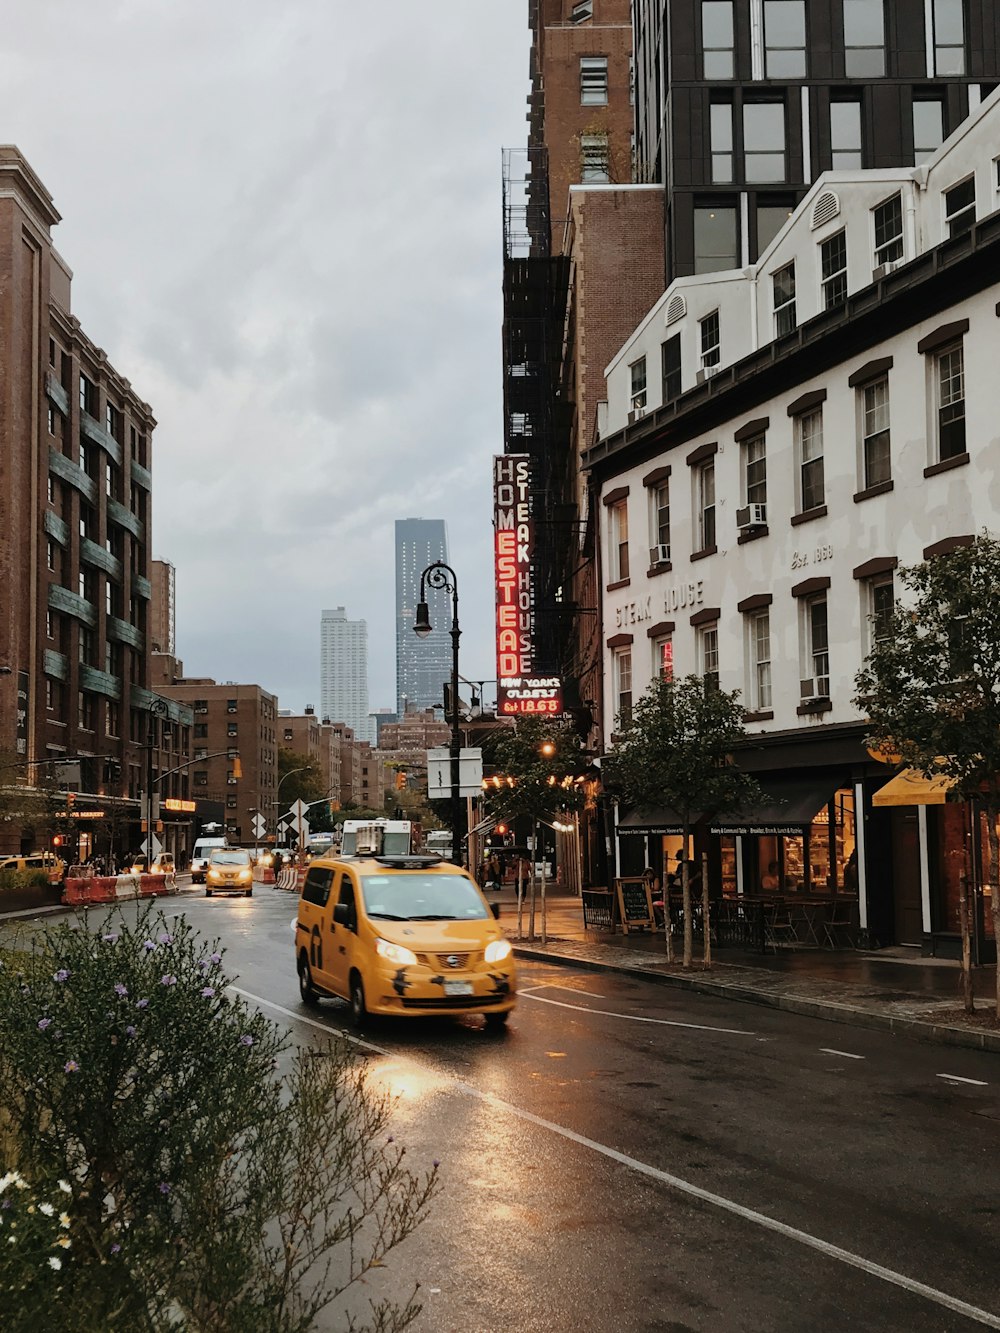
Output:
x,y
433,916
388,916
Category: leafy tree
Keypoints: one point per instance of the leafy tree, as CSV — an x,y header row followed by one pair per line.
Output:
x,y
676,750
931,684
306,785
27,808
535,765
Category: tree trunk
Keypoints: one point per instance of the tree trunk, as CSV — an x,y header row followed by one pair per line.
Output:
x,y
705,921
534,864
992,811
686,895
667,923
963,920
543,904
520,894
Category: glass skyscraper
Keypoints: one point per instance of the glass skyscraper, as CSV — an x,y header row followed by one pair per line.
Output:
x,y
422,665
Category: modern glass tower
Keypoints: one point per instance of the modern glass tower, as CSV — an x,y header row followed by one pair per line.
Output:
x,y
422,665
343,666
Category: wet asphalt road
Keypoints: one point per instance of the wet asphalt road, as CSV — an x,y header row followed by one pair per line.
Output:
x,y
847,1184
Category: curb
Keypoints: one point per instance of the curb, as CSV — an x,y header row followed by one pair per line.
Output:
x,y
833,1012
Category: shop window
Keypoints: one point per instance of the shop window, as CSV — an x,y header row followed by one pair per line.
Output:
x,y
593,80
949,374
948,37
764,141
833,267
637,377
759,641
715,239
888,223
815,681
875,452
708,655
705,501
809,447
721,125
960,207
717,39
928,128
710,337
671,367
785,39
783,296
864,39
618,516
845,135
622,664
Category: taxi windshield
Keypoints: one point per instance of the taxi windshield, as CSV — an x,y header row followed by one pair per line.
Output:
x,y
408,896
234,858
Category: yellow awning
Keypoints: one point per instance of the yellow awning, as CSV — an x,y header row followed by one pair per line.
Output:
x,y
911,788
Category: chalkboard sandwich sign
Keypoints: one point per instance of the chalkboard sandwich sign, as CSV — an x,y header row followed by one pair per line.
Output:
x,y
635,904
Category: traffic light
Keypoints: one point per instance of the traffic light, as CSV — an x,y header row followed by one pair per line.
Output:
x,y
400,780
57,841
237,768
70,798
501,829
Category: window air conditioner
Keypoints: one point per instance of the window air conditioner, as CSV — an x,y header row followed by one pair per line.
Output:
x,y
889,266
705,373
660,554
807,689
751,516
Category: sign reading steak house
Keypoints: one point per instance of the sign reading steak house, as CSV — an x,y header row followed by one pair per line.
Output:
x,y
512,548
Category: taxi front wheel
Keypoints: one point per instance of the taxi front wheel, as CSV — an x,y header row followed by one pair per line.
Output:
x,y
307,990
496,1022
359,1010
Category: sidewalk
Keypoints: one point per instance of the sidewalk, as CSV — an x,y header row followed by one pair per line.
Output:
x,y
892,989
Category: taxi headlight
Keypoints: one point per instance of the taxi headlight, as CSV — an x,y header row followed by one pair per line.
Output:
x,y
213,874
395,953
247,873
499,949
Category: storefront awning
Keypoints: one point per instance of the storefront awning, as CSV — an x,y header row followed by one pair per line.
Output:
x,y
789,806
656,820
911,788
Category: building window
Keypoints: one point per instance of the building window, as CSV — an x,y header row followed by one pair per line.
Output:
x,y
200,777
845,135
759,635
705,494
231,778
875,433
816,679
717,39
50,696
111,718
888,219
711,351
86,712
864,39
660,524
671,367
85,645
230,802
623,686
50,554
960,207
880,603
200,752
201,705
950,376
230,705
785,39
232,729
721,123
619,541
88,395
809,433
288,734
581,12
594,158
637,374
201,730
708,655
928,128
833,259
715,239
764,141
783,289
770,220
50,625
949,38
663,658
754,459
593,80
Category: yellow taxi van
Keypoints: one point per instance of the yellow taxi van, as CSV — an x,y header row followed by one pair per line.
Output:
x,y
402,935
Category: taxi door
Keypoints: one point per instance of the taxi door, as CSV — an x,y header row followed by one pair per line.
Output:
x,y
316,922
344,934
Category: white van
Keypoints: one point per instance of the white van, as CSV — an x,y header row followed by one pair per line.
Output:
x,y
203,849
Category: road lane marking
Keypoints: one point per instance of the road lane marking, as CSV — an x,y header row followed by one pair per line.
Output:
x,y
956,1078
630,1018
848,1055
719,1201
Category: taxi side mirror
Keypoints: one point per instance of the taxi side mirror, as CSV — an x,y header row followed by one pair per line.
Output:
x,y
495,909
342,914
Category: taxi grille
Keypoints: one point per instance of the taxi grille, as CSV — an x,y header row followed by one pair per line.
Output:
x,y
453,1002
441,962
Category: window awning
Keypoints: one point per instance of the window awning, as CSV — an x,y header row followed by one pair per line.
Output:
x,y
911,788
658,820
790,805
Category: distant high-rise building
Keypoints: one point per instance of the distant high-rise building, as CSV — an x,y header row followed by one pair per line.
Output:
x,y
422,665
343,668
163,608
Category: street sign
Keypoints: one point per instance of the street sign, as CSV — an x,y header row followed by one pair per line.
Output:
x,y
259,826
297,817
470,772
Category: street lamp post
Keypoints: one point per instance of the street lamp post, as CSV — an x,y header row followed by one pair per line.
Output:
x,y
158,709
441,576
305,768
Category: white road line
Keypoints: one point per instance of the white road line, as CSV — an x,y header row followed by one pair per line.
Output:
x,y
631,1018
852,1260
956,1078
848,1055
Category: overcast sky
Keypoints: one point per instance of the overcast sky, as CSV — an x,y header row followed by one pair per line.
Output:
x,y
284,220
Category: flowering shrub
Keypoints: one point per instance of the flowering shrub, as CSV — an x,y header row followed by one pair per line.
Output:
x,y
209,1192
34,1237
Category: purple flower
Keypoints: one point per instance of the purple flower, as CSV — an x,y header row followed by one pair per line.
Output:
x,y
436,1163
246,1039
149,946
207,992
215,957
116,1248
71,1067
120,989
168,980
130,1031
204,964
141,1004
110,939
43,1023
164,1187
61,975
165,938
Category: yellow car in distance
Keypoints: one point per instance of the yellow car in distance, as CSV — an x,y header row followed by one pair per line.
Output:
x,y
229,870
402,935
